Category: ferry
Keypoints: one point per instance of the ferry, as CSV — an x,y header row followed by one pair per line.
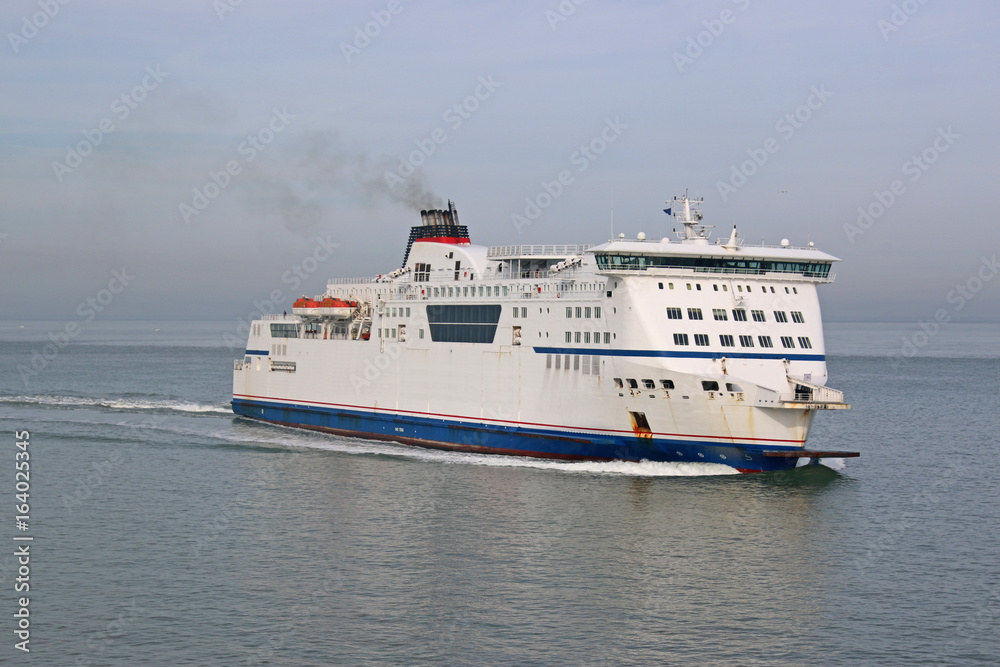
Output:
x,y
638,349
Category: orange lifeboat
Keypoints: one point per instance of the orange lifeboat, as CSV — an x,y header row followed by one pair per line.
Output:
x,y
337,309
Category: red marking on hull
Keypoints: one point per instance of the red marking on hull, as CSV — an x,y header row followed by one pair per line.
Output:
x,y
733,441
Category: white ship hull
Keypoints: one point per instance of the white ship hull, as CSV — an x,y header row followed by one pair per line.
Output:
x,y
570,359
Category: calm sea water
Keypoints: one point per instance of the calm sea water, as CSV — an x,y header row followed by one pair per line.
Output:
x,y
169,532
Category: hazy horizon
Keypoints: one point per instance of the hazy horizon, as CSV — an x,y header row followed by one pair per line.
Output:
x,y
212,154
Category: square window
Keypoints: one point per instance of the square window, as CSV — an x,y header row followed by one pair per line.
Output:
x,y
701,339
576,337
597,311
569,311
524,311
569,337
726,340
674,314
758,315
797,317
586,311
586,337
779,316
804,343
579,310
648,384
739,315
786,341
720,314
680,339
746,341
666,384
607,338
765,341
694,313
515,312
661,285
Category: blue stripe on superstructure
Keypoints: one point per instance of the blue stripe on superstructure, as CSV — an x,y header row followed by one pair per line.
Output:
x,y
262,353
679,354
515,439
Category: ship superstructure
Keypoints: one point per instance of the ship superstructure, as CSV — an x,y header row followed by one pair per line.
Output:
x,y
635,349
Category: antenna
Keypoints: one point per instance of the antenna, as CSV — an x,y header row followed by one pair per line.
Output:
x,y
612,212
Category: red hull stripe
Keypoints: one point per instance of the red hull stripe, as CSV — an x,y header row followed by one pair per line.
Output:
x,y
520,423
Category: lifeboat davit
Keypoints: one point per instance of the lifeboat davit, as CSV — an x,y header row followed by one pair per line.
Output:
x,y
336,309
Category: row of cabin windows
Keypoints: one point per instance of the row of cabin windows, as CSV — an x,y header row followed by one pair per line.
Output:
x,y
725,288
466,290
523,311
582,311
707,385
588,364
726,340
739,315
584,337
401,311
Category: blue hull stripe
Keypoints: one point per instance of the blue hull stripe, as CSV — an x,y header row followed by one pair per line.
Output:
x,y
679,354
262,353
483,437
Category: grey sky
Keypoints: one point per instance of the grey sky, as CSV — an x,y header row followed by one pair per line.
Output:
x,y
884,85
